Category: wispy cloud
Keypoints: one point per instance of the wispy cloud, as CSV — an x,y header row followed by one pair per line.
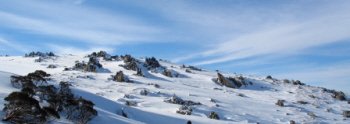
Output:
x,y
79,23
278,36
10,44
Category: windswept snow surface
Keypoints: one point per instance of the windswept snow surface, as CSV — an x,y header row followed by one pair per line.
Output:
x,y
256,106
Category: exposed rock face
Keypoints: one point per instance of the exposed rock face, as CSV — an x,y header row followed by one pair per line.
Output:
x,y
184,110
92,66
131,65
294,82
152,63
127,58
119,77
291,122
280,103
167,73
104,55
269,77
236,82
214,115
52,66
346,114
177,100
302,102
339,95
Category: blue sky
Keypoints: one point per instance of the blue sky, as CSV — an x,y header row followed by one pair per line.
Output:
x,y
307,40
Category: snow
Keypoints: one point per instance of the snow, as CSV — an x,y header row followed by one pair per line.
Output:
x,y
256,105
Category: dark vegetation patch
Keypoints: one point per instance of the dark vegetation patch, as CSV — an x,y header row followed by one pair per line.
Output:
x,y
214,115
22,107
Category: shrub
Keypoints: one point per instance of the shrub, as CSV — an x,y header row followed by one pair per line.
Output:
x,y
51,112
64,95
39,54
80,110
213,115
38,77
20,108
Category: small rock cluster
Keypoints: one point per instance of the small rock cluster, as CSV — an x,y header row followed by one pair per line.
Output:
x,y
186,105
92,66
177,100
120,77
184,110
104,55
280,103
152,63
235,82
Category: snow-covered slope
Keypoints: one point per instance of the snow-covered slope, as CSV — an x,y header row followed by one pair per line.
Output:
x,y
249,104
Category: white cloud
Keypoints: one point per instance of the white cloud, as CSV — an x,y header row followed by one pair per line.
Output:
x,y
282,37
6,44
80,23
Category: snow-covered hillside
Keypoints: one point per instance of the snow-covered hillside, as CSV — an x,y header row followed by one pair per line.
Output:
x,y
147,96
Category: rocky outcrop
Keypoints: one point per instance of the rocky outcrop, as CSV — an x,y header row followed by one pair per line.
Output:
x,y
177,100
92,66
346,114
127,58
104,55
236,82
280,103
120,77
152,63
184,110
132,65
339,95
